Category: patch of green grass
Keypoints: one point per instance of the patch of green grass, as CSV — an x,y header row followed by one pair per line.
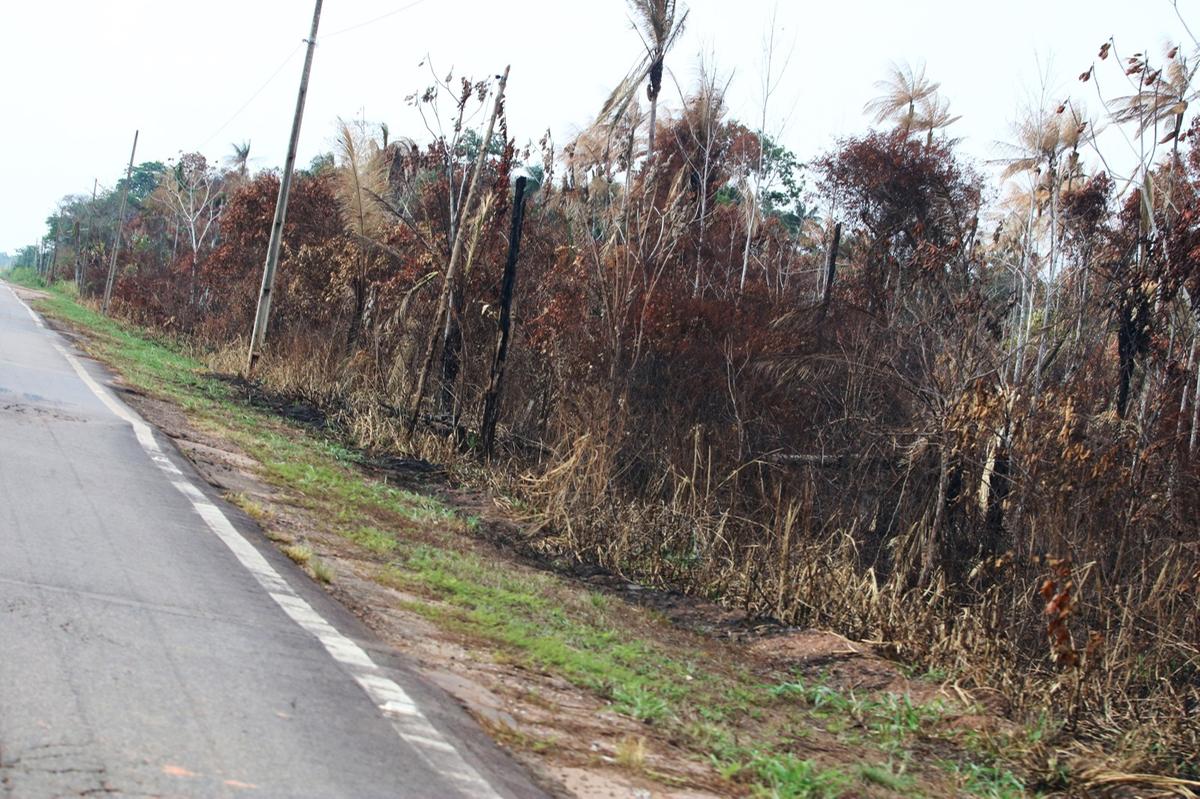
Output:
x,y
990,782
640,702
890,719
24,276
786,776
895,718
372,538
316,472
817,695
888,776
543,626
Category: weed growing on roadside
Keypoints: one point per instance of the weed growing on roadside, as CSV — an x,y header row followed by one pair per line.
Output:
x,y
299,554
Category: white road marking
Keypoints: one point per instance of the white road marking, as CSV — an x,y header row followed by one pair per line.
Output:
x,y
392,700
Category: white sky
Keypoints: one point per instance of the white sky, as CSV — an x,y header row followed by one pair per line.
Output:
x,y
78,76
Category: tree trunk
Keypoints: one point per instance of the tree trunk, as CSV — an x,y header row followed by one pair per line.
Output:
x,y
491,402
1195,413
656,73
830,267
997,488
452,342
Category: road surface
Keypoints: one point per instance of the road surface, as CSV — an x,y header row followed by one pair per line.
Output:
x,y
152,645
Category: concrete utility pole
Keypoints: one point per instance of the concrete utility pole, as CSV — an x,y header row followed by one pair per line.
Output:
x,y
285,186
75,238
112,266
80,267
54,255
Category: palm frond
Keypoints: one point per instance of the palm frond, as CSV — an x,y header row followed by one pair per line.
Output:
x,y
933,113
618,101
362,175
1163,96
900,93
655,20
659,23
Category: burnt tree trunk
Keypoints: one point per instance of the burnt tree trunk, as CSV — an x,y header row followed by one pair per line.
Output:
x,y
452,342
491,402
831,266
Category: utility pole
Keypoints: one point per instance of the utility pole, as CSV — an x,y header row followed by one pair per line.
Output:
x,y
91,236
54,255
259,335
76,273
112,266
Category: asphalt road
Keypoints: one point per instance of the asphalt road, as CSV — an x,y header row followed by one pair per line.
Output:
x,y
151,644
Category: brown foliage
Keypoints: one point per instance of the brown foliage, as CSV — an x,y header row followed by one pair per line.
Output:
x,y
895,463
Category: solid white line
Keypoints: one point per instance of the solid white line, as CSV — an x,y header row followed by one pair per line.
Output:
x,y
392,700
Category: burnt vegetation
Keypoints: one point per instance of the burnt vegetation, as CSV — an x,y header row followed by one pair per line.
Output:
x,y
952,408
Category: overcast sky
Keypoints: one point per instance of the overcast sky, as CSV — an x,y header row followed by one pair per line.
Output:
x,y
78,76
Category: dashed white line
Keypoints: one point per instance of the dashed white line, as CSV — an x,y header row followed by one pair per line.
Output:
x,y
392,700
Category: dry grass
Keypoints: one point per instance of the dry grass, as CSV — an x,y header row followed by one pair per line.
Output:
x,y
1113,682
299,554
631,752
1111,690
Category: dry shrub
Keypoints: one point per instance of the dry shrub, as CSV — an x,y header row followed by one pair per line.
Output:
x,y
923,446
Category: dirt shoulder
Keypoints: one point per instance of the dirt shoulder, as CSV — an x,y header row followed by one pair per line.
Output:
x,y
601,688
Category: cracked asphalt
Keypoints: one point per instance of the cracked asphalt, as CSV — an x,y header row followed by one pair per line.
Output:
x,y
139,657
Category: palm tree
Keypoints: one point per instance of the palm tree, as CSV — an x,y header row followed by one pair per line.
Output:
x,y
239,159
933,114
659,23
1042,139
902,95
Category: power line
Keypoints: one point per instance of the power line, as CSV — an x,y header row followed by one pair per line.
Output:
x,y
254,96
373,21
288,60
